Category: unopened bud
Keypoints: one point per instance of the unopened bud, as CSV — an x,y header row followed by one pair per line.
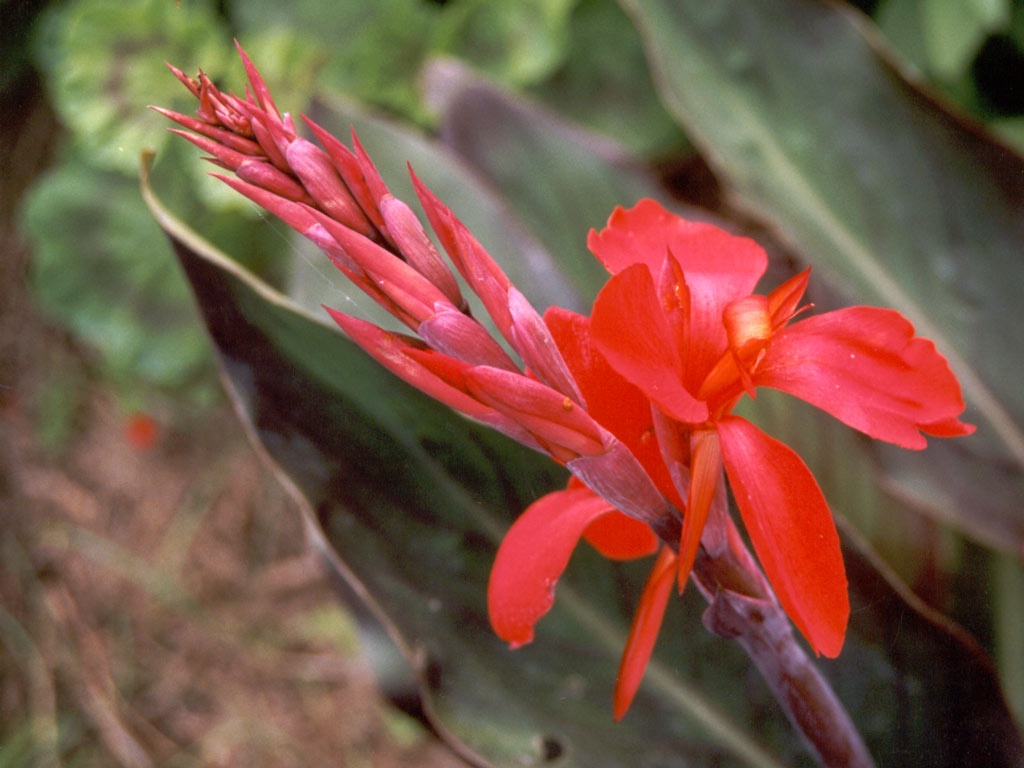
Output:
x,y
459,335
412,242
316,171
567,435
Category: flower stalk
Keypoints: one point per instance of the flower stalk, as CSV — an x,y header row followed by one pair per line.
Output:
x,y
635,400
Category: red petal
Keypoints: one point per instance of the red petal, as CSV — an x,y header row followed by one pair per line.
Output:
x,y
316,171
618,536
407,233
347,165
718,268
531,558
792,531
393,351
629,328
613,402
644,632
644,233
864,366
537,348
621,537
457,334
258,86
478,269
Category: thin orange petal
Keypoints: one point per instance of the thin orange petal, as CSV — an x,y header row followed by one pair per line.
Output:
x,y
704,473
644,632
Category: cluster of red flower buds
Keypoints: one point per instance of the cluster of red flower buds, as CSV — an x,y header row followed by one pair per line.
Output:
x,y
335,197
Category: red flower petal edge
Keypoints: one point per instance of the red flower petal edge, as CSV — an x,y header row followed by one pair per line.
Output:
x,y
791,529
630,330
864,366
621,537
644,632
531,558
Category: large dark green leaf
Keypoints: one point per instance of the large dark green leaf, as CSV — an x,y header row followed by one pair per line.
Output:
x,y
413,500
625,106
897,201
560,179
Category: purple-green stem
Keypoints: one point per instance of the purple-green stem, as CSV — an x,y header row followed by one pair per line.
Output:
x,y
742,607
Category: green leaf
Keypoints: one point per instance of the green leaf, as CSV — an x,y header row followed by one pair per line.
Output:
x,y
518,41
954,30
104,61
895,201
612,94
1008,586
99,269
560,180
371,51
900,22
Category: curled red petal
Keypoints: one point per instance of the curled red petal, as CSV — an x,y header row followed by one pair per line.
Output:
x,y
372,178
864,366
532,557
258,86
644,632
717,268
537,348
268,176
791,529
621,537
317,173
485,278
406,287
783,301
347,165
406,232
461,336
629,328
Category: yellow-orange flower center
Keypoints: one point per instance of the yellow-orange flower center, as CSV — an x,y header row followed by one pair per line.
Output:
x,y
748,328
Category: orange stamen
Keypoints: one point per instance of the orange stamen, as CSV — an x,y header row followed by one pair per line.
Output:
x,y
704,472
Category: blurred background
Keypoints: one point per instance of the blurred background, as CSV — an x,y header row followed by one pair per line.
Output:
x,y
158,603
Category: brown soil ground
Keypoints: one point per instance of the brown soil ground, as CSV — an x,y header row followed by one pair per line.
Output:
x,y
158,606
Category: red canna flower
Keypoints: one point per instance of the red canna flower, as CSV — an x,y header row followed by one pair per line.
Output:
x,y
676,337
636,400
